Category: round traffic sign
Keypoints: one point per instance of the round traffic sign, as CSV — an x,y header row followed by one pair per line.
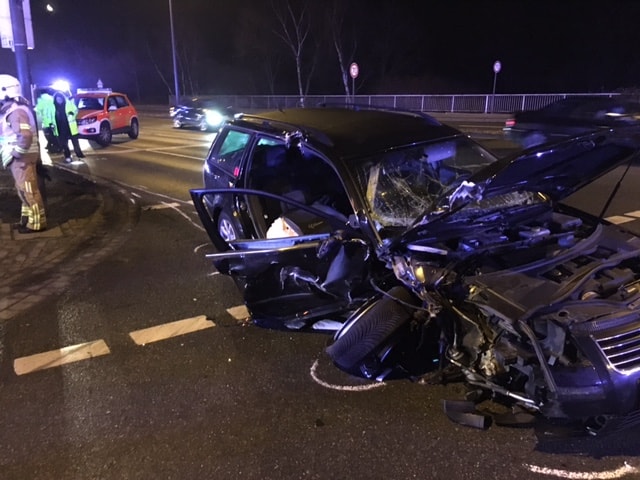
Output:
x,y
354,70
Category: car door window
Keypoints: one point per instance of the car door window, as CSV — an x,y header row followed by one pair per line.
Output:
x,y
302,176
121,101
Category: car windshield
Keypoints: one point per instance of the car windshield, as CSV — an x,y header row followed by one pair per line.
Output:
x,y
405,183
90,103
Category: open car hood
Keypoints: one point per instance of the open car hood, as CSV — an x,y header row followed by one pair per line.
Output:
x,y
556,170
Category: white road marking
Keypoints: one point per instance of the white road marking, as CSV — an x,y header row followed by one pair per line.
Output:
x,y
162,151
202,245
619,219
55,358
635,214
162,206
605,475
176,209
342,388
170,330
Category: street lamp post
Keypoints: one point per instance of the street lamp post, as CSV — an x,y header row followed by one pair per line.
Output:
x,y
497,66
173,52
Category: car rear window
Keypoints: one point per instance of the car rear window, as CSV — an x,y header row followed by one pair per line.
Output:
x,y
233,144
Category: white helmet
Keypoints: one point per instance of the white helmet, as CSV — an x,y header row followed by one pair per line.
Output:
x,y
9,87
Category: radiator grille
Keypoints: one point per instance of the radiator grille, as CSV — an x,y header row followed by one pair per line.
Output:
x,y
621,348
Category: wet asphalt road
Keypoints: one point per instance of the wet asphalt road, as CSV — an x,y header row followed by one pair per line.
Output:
x,y
229,400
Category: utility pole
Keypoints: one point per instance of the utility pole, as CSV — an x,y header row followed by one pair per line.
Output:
x,y
16,10
175,62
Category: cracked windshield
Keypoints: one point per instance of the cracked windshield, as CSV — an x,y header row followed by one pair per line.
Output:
x,y
403,184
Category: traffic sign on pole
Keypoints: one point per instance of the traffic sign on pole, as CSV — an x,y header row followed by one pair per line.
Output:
x,y
7,28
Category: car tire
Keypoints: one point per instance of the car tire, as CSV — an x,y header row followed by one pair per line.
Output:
x,y
204,126
368,329
134,130
105,135
177,123
227,228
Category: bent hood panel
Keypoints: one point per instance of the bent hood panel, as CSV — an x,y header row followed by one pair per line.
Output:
x,y
557,170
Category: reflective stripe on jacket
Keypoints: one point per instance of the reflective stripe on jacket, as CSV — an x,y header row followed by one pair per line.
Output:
x,y
46,110
18,134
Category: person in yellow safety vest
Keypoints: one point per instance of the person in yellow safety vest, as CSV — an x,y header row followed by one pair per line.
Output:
x,y
45,112
65,126
20,152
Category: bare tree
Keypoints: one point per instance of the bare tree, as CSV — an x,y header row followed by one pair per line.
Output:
x,y
294,30
254,44
163,78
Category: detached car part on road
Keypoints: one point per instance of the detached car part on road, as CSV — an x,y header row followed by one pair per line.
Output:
x,y
432,255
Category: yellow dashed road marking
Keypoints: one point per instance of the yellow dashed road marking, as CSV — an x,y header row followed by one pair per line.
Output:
x,y
239,312
55,358
619,219
169,330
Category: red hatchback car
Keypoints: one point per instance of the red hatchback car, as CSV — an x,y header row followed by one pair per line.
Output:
x,y
102,113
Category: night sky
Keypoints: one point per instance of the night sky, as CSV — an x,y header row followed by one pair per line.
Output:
x,y
427,46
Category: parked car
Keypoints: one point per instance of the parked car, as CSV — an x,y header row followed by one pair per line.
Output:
x,y
103,113
425,257
569,117
205,115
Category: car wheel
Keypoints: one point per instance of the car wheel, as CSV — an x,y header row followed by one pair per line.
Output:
x,y
135,129
368,329
226,228
204,126
177,123
104,136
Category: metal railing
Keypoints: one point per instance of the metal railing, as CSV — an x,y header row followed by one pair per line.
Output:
x,y
499,103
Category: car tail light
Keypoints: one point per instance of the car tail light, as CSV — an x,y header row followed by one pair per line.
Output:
x,y
510,122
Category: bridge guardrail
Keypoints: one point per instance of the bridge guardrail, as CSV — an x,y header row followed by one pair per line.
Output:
x,y
482,103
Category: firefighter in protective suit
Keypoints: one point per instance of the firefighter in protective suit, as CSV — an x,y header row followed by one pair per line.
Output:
x,y
20,153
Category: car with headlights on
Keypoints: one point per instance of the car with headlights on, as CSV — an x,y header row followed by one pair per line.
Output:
x,y
205,115
569,117
424,256
103,113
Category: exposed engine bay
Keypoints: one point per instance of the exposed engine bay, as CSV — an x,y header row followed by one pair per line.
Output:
x,y
542,312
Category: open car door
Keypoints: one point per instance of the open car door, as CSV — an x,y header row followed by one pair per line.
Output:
x,y
297,279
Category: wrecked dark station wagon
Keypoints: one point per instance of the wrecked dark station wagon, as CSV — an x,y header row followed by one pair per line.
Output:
x,y
423,254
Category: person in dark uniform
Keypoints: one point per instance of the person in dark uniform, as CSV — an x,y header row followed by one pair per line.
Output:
x,y
66,126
